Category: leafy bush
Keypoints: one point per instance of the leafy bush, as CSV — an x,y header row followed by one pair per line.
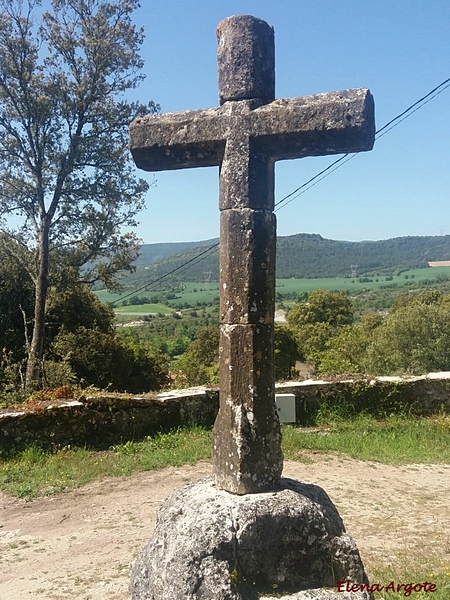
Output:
x,y
199,365
104,361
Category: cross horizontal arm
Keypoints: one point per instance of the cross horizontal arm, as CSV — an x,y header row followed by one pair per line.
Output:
x,y
330,123
179,140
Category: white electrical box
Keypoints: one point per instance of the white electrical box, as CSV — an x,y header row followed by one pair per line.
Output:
x,y
285,404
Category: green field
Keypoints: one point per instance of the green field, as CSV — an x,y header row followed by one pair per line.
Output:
x,y
201,292
143,309
198,292
105,296
192,293
348,284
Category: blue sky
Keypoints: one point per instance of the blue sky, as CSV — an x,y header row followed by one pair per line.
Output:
x,y
400,49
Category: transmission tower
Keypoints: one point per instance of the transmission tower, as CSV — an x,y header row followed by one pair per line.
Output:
x,y
353,269
207,276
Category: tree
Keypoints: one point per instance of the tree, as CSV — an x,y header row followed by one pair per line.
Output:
x,y
199,365
344,353
414,338
333,308
285,351
16,300
66,176
82,341
103,360
319,319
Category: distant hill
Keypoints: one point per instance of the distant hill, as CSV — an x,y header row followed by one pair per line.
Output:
x,y
310,256
151,253
302,256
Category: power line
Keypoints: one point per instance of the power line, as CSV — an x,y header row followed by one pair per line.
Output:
x,y
179,268
346,157
313,180
447,81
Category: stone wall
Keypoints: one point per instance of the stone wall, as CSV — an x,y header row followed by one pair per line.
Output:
x,y
103,420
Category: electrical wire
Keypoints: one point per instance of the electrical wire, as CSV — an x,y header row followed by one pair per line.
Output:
x,y
180,268
386,128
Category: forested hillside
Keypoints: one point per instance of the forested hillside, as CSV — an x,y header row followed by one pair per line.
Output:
x,y
307,256
151,253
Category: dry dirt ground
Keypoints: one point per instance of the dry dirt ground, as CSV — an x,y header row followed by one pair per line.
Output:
x,y
80,545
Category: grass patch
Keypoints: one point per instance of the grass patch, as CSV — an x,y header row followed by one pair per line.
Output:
x,y
392,441
395,441
36,472
144,309
385,576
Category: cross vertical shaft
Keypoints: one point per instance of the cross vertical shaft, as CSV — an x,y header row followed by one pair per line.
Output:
x,y
246,438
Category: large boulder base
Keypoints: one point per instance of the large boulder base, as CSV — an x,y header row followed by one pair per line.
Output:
x,y
212,545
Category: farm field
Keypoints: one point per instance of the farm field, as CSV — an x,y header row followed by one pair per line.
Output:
x,y
144,309
347,284
105,296
199,292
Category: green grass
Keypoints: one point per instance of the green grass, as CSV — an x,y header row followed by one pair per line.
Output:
x,y
105,296
143,309
440,577
394,441
36,472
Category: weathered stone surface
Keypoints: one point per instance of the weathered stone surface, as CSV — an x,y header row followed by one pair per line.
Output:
x,y
247,266
213,545
246,171
328,123
102,421
246,437
247,44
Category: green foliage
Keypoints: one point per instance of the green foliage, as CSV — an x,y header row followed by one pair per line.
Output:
x,y
316,321
16,302
149,368
428,297
286,352
312,340
332,308
199,365
412,339
76,307
11,379
102,360
56,374
343,352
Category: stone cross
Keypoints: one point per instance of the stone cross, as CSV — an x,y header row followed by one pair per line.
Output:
x,y
244,137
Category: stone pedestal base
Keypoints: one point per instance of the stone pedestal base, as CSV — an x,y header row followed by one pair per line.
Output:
x,y
212,545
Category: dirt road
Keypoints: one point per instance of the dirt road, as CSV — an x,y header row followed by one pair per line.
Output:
x,y
80,545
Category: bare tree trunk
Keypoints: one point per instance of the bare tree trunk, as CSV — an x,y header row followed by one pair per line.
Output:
x,y
41,286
